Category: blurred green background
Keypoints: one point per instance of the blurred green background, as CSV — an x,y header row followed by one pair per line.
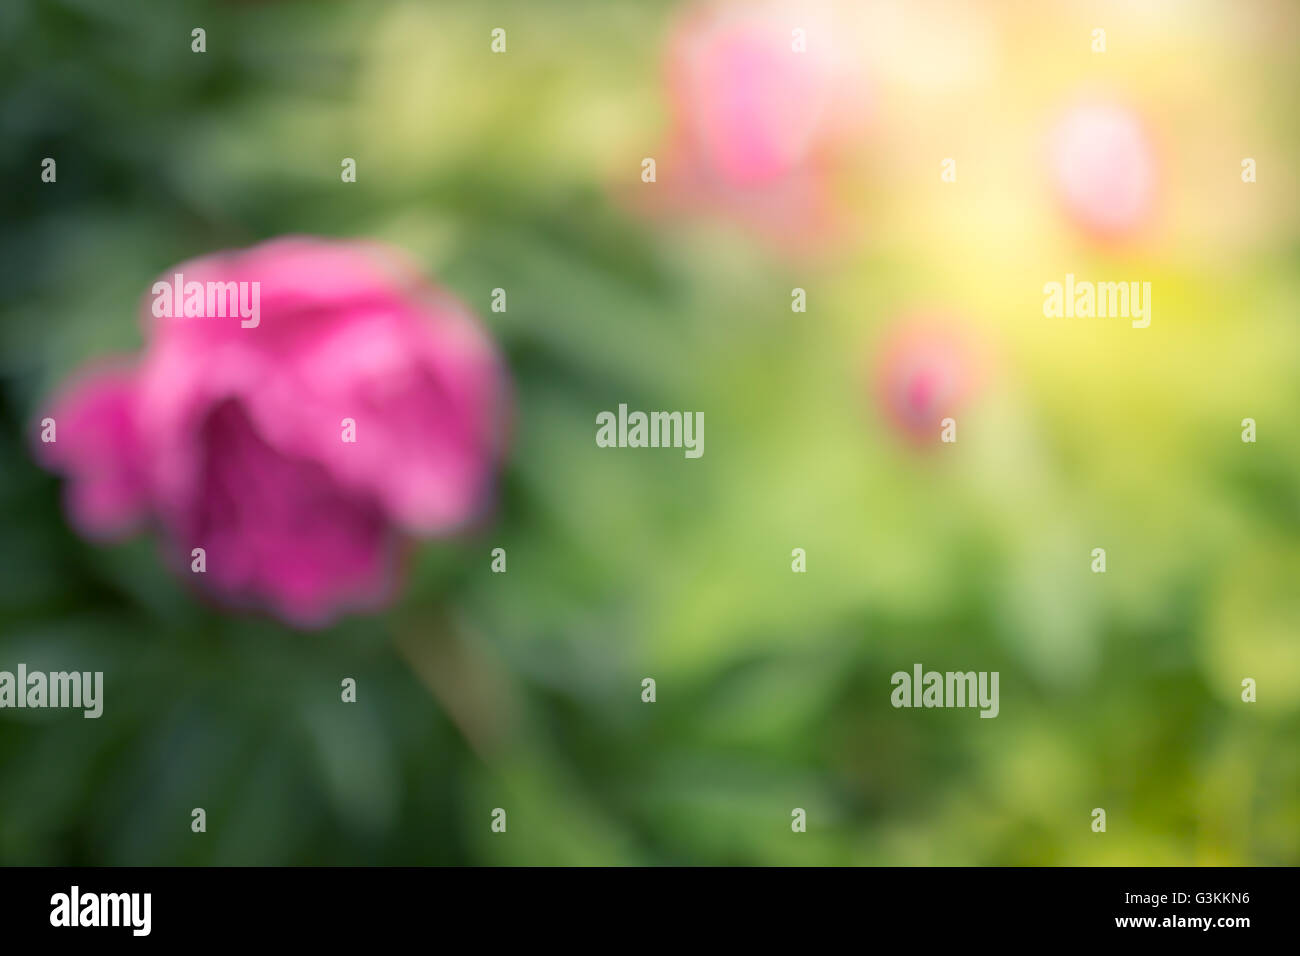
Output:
x,y
522,690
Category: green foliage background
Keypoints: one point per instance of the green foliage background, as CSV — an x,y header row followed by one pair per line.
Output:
x,y
522,690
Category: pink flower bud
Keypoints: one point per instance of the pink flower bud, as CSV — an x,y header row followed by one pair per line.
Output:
x,y
1104,169
925,370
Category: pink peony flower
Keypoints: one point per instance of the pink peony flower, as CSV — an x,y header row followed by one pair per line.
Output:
x,y
924,371
762,104
230,433
1104,169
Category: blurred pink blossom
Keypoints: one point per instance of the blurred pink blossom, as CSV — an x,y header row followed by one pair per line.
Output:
x,y
762,104
925,370
1104,169
230,438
